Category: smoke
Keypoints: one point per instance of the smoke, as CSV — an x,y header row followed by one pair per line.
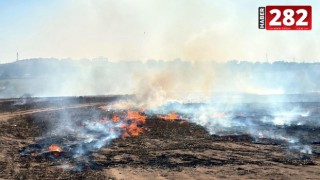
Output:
x,y
157,79
226,99
173,80
201,30
284,123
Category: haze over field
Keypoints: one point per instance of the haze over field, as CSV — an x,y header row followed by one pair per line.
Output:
x,y
157,79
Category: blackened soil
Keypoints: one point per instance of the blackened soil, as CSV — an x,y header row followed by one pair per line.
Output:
x,y
166,150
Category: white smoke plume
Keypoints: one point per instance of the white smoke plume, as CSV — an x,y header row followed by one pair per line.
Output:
x,y
226,99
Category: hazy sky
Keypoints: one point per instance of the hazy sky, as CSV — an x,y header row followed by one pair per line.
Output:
x,y
150,29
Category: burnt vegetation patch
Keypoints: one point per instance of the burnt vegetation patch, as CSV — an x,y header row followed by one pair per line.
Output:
x,y
166,145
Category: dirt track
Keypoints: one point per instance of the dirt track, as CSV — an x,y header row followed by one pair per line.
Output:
x,y
169,150
7,115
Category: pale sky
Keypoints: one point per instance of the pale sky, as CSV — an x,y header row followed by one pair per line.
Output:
x,y
195,30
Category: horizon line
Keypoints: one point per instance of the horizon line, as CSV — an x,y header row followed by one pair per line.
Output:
x,y
102,58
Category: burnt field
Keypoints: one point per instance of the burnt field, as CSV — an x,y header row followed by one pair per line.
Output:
x,y
156,147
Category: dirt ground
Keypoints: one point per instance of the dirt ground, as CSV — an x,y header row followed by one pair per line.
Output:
x,y
169,150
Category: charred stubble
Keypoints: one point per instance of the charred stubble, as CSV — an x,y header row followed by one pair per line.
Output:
x,y
170,147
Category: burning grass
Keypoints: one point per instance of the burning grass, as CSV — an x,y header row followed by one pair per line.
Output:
x,y
159,142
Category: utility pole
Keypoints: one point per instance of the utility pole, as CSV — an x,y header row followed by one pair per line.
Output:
x,y
267,58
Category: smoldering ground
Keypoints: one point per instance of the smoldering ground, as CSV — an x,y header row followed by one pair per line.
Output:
x,y
209,94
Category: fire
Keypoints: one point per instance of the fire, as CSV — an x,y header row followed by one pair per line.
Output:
x,y
55,149
131,122
134,130
136,116
115,118
170,117
135,119
125,135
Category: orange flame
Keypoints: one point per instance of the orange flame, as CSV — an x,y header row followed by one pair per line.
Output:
x,y
134,130
133,127
125,135
136,116
115,118
170,117
132,121
55,149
